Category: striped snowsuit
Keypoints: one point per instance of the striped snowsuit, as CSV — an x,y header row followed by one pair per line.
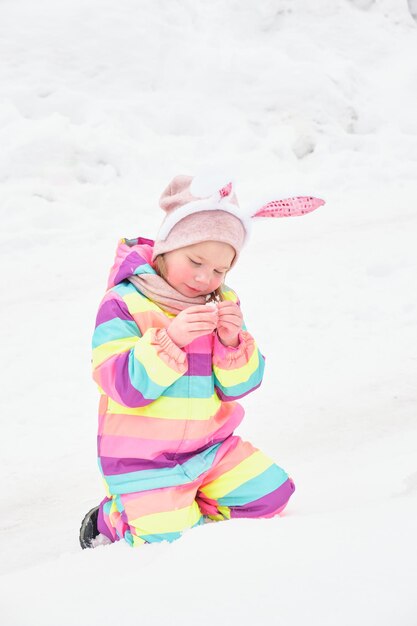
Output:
x,y
166,447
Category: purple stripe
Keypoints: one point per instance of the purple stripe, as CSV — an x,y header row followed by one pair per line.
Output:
x,y
111,309
112,466
225,398
268,505
129,395
101,523
129,266
199,364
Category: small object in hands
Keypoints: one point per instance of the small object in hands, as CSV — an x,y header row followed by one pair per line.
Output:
x,y
212,299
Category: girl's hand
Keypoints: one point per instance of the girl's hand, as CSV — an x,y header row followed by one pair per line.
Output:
x,y
230,323
192,323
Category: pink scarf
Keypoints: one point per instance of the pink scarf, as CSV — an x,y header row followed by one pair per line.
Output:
x,y
157,289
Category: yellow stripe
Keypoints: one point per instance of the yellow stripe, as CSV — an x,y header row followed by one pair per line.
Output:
x,y
250,467
171,408
229,294
137,541
168,521
228,378
157,370
106,488
223,513
136,303
117,346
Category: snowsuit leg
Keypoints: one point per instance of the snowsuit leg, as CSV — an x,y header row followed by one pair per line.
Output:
x,y
150,516
244,483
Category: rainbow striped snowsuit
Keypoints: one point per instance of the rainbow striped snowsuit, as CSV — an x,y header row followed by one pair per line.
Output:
x,y
166,447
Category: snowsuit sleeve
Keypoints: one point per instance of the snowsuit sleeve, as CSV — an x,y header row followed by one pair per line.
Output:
x,y
237,371
131,368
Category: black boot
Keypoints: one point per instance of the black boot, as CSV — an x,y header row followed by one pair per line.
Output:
x,y
89,530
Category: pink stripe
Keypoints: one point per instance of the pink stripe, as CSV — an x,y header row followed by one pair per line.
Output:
x,y
201,345
104,375
227,418
150,319
117,446
111,295
159,500
131,447
230,359
112,376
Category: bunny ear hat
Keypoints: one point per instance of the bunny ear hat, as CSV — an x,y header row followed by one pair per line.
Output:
x,y
198,210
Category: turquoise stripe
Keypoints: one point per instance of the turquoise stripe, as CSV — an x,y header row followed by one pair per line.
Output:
x,y
143,480
107,507
119,504
114,329
158,537
144,269
183,387
242,388
124,288
201,386
128,537
161,537
191,386
200,463
255,488
140,380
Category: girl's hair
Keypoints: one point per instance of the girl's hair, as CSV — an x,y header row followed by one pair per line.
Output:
x,y
159,265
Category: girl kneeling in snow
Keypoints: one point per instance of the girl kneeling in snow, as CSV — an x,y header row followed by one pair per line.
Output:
x,y
171,355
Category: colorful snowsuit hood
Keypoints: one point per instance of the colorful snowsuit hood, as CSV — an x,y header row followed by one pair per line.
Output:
x,y
164,410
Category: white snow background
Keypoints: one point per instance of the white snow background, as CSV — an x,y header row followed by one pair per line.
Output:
x,y
101,103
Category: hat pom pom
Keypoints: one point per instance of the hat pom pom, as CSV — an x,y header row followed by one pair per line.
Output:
x,y
209,183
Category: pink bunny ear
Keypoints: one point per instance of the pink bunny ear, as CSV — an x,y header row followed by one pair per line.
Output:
x,y
226,190
289,207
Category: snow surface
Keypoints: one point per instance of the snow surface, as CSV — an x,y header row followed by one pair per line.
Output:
x,y
101,102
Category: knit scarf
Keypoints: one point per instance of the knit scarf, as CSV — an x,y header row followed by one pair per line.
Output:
x,y
157,289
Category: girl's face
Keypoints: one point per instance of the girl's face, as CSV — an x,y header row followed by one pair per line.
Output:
x,y
198,269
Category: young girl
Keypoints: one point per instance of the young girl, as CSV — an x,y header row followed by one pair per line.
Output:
x,y
171,355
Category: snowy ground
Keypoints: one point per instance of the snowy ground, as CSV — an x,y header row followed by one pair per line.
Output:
x,y
100,104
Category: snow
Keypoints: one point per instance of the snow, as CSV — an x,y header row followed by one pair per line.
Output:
x,y
100,104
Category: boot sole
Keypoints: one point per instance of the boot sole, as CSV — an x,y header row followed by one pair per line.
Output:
x,y
84,542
